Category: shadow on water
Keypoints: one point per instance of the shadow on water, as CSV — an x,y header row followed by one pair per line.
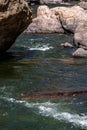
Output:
x,y
10,62
7,71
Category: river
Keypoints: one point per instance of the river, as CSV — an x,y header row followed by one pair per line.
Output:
x,y
37,63
34,65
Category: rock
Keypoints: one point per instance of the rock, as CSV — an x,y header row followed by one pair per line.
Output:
x,y
15,16
50,1
80,52
57,20
83,4
70,17
45,22
67,45
80,35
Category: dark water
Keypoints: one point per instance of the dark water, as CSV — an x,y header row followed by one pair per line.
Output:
x,y
37,63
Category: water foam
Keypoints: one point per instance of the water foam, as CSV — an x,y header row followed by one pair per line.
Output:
x,y
49,109
39,47
66,116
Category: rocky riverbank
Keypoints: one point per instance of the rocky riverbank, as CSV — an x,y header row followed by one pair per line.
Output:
x,y
61,19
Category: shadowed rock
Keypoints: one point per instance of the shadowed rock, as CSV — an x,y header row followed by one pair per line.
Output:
x,y
83,4
15,16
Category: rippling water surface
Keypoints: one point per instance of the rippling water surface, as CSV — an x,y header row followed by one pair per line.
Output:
x,y
37,63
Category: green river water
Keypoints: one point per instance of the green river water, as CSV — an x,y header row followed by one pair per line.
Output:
x,y
37,63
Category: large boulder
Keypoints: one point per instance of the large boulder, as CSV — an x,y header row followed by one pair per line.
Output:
x,y
70,17
57,19
45,22
80,35
15,16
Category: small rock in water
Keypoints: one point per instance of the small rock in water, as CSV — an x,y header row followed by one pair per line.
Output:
x,y
66,45
80,52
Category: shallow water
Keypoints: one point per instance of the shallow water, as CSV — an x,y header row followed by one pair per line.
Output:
x,y
37,63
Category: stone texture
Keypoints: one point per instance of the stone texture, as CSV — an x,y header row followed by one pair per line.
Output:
x,y
45,22
80,52
80,35
57,19
70,17
83,4
15,16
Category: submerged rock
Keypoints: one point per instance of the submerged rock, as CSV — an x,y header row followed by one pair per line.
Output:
x,y
15,16
26,96
66,45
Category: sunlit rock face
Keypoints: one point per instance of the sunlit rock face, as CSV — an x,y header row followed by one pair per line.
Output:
x,y
70,17
57,19
45,22
15,16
